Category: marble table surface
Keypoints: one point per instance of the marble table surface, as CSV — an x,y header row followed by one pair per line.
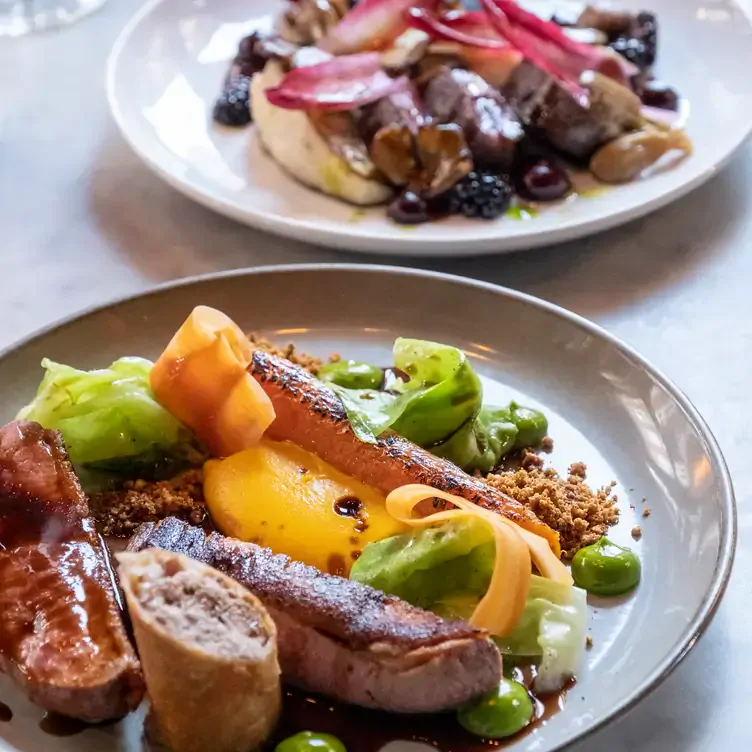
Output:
x,y
82,221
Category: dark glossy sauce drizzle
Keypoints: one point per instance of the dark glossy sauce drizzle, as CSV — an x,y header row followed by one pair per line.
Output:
x,y
370,730
348,506
352,507
6,714
336,565
391,378
59,725
360,729
114,544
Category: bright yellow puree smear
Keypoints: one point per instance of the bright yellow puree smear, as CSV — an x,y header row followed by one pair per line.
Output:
x,y
281,496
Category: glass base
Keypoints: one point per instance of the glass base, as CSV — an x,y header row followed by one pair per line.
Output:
x,y
19,17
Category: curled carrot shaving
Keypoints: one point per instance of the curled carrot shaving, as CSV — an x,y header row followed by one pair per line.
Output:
x,y
201,379
516,549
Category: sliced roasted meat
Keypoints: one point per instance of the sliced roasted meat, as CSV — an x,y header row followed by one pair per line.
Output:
x,y
543,103
343,639
491,127
61,635
403,108
310,415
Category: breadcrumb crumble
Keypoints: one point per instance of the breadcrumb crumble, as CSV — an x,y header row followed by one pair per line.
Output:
x,y
309,362
119,513
578,513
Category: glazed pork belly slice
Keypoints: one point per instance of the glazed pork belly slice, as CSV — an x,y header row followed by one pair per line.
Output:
x,y
343,639
62,639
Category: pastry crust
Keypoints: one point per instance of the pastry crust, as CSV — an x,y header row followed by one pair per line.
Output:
x,y
208,649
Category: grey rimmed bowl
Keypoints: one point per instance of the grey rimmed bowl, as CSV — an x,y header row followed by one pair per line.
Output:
x,y
607,407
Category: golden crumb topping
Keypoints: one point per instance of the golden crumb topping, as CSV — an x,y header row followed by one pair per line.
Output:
x,y
309,362
119,513
578,513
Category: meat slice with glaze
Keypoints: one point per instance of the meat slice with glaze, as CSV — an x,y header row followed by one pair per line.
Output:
x,y
546,105
491,126
343,639
61,636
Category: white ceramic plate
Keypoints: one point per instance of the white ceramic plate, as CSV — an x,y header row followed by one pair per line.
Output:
x,y
165,72
606,406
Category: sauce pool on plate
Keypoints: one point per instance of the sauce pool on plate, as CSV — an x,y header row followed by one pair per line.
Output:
x,y
6,714
370,730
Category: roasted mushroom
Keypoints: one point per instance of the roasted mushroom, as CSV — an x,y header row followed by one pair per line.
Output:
x,y
624,158
430,160
445,157
307,21
340,131
393,153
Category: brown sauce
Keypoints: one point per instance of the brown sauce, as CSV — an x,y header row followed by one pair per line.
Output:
x,y
59,725
115,544
348,506
360,729
6,714
369,730
352,507
336,565
392,377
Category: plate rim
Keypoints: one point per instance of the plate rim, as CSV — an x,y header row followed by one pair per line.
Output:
x,y
728,507
350,237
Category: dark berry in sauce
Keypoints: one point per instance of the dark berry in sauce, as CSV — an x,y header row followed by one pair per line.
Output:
x,y
233,105
409,209
658,94
543,181
481,194
348,506
251,57
254,52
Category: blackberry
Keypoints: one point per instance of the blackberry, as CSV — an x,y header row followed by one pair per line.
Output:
x,y
640,44
255,51
233,105
481,194
647,29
